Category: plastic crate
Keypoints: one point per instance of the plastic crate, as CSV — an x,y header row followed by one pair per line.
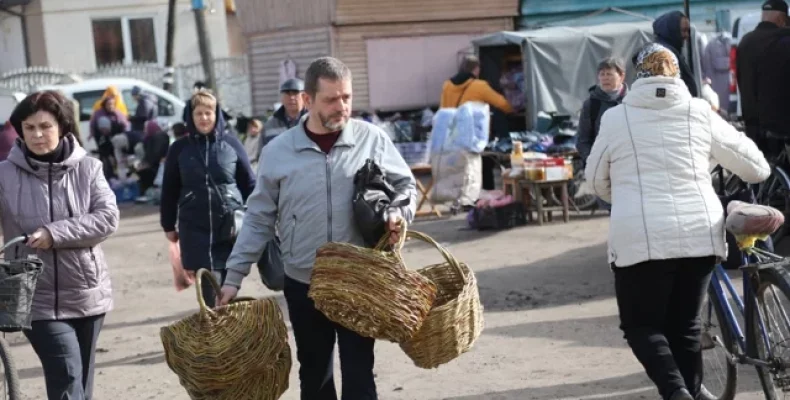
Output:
x,y
498,218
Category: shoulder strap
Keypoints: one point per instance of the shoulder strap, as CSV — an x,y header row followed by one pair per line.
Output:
x,y
595,109
208,173
461,97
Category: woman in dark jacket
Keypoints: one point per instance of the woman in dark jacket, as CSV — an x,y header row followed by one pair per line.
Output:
x,y
206,173
608,93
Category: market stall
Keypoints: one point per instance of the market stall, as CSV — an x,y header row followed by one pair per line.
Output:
x,y
547,74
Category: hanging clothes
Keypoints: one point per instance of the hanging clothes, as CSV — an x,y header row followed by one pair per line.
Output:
x,y
716,66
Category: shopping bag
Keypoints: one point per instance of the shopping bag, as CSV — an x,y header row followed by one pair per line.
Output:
x,y
270,266
182,279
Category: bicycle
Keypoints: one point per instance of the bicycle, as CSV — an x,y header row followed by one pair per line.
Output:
x,y
18,279
765,278
775,191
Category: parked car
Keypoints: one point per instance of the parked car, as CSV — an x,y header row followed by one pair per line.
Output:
x,y
740,28
171,108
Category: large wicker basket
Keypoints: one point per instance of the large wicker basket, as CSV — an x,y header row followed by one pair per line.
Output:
x,y
370,291
456,319
238,351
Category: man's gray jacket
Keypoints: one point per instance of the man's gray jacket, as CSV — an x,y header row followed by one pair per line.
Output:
x,y
307,194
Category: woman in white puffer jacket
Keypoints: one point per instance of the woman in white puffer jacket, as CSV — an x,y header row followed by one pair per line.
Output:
x,y
652,162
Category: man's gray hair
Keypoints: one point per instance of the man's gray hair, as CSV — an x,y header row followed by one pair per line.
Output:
x,y
328,68
614,63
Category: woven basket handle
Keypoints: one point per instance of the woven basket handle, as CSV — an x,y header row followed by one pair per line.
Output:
x,y
382,244
199,287
446,254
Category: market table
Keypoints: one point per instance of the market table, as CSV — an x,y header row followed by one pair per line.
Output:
x,y
522,188
421,170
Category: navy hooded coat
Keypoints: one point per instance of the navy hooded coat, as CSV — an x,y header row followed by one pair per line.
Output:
x,y
190,200
666,29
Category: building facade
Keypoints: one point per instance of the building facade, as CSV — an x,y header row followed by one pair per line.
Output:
x,y
399,53
81,35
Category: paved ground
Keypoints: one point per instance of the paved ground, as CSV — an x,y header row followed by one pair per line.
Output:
x,y
551,320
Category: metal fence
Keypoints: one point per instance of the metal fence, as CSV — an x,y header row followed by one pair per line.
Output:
x,y
232,76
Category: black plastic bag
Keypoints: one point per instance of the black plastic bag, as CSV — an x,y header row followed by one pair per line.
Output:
x,y
373,195
271,267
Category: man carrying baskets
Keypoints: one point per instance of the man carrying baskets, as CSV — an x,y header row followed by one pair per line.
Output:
x,y
305,185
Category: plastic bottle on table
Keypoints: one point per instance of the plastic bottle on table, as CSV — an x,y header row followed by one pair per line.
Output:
x,y
517,160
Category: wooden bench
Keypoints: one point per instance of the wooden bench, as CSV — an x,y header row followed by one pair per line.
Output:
x,y
523,189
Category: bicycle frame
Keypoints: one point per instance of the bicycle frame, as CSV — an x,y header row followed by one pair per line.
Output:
x,y
719,281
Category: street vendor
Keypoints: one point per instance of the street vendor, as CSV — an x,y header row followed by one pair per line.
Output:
x,y
466,86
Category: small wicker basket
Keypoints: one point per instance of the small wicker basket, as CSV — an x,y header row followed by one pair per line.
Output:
x,y
238,351
456,319
370,291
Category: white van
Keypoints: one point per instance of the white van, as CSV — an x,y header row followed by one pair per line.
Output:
x,y
171,108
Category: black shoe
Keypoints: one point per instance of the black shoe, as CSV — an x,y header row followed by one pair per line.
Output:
x,y
681,394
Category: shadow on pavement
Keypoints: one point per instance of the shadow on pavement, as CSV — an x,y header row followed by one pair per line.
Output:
x,y
149,358
576,331
631,387
574,277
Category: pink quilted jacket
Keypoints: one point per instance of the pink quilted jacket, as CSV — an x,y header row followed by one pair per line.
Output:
x,y
74,202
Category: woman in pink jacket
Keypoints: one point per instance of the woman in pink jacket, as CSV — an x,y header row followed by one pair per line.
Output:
x,y
51,190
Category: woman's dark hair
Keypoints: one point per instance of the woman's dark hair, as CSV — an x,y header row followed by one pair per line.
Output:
x,y
50,101
614,63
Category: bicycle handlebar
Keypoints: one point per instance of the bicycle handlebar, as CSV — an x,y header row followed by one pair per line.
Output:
x,y
14,241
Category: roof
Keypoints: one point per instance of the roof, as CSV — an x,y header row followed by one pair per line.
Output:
x,y
561,32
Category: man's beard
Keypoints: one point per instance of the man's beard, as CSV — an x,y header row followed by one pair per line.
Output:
x,y
327,123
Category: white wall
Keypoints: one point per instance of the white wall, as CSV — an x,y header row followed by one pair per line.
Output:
x,y
12,47
69,32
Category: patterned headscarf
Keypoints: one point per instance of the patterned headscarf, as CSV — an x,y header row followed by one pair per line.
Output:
x,y
656,60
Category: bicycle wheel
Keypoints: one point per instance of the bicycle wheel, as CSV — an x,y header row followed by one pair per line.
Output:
x,y
10,389
771,303
720,375
775,192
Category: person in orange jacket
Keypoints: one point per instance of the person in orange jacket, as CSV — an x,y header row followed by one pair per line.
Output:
x,y
467,86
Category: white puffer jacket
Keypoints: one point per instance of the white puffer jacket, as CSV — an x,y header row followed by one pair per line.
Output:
x,y
652,160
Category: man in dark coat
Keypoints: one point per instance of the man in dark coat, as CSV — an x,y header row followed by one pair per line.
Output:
x,y
671,30
147,109
289,113
770,40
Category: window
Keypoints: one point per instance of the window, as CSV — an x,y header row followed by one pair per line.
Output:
x,y
87,100
124,40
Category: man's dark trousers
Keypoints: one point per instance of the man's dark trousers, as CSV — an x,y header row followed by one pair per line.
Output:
x,y
315,344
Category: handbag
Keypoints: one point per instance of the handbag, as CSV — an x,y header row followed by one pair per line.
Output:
x,y
232,217
270,266
373,195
